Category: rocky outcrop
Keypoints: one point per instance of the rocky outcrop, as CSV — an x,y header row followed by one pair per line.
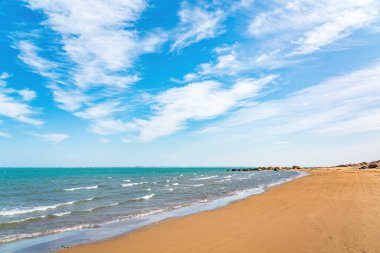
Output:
x,y
362,165
266,168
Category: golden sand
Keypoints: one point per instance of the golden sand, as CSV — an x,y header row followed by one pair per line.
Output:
x,y
332,210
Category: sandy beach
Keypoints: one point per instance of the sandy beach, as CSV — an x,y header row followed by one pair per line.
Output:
x,y
332,210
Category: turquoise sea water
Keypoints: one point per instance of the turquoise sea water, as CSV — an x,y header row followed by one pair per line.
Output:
x,y
42,209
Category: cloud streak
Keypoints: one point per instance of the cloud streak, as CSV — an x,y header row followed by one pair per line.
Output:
x,y
196,24
341,105
54,138
196,101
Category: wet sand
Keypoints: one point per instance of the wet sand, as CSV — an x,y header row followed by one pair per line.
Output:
x,y
332,210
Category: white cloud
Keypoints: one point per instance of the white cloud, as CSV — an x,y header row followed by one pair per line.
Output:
x,y
14,108
311,25
4,75
96,62
286,31
17,110
101,117
100,49
69,99
233,61
99,38
341,105
54,138
196,101
196,24
27,94
29,55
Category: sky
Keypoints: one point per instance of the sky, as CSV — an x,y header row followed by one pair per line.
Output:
x,y
189,83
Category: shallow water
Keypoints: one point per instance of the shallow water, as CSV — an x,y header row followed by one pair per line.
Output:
x,y
78,205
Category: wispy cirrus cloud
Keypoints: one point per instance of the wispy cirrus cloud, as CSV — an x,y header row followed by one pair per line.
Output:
x,y
29,55
196,24
54,138
102,119
341,105
286,32
175,107
312,25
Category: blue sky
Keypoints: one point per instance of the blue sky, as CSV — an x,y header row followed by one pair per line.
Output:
x,y
166,83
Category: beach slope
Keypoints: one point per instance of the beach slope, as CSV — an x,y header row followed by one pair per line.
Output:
x,y
332,210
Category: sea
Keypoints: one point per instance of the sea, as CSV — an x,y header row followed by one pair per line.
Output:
x,y
46,209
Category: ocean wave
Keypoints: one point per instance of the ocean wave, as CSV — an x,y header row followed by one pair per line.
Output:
x,y
146,197
175,184
126,180
11,238
82,188
33,209
204,178
17,222
132,184
170,189
129,185
149,213
197,185
61,214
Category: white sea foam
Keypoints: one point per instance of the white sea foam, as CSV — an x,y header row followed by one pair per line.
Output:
x,y
204,178
132,184
24,220
149,213
197,185
170,189
129,185
33,209
146,197
61,214
11,238
127,180
175,184
82,188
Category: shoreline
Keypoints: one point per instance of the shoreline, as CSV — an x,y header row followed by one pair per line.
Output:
x,y
49,242
262,221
